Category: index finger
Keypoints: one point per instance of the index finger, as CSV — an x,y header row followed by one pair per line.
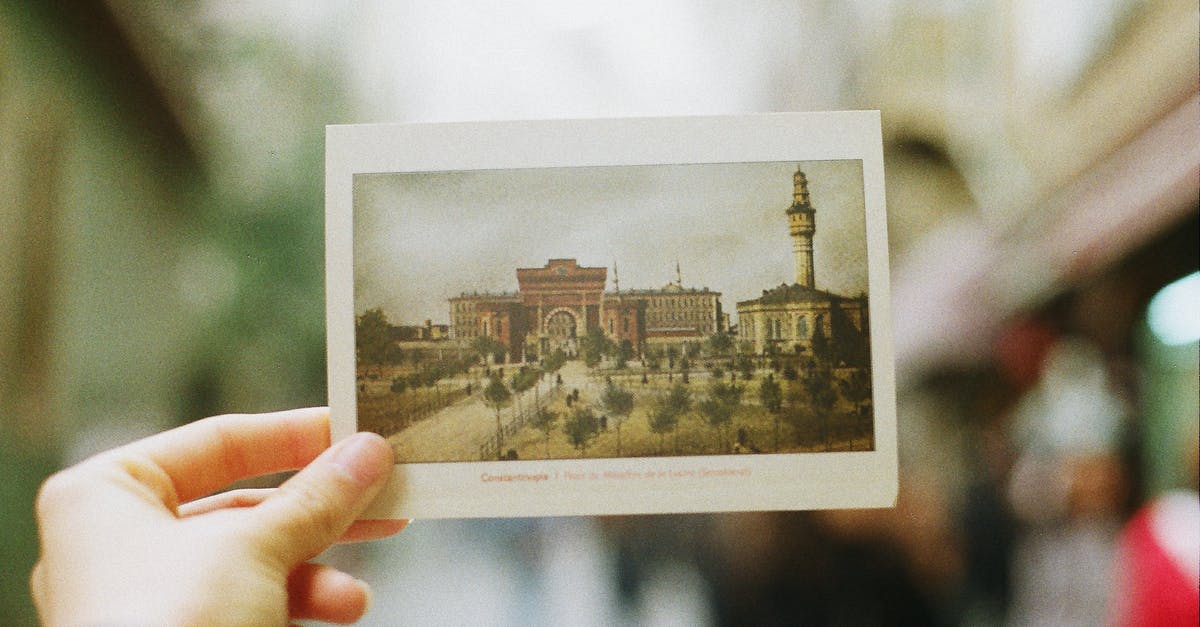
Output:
x,y
204,456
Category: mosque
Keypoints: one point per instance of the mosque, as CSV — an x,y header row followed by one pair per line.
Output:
x,y
785,319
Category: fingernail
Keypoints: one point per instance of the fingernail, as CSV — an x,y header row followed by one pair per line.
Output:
x,y
365,456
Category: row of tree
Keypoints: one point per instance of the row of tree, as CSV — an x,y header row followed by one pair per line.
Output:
x,y
812,397
497,394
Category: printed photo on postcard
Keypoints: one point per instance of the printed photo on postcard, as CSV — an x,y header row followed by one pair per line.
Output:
x,y
614,316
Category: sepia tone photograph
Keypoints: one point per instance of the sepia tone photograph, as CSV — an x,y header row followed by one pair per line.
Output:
x,y
628,311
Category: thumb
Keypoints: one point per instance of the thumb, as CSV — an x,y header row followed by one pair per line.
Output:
x,y
314,507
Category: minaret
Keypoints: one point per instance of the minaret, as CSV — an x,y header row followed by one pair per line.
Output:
x,y
801,226
678,275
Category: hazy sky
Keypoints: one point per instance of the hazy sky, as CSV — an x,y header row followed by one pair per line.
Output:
x,y
421,238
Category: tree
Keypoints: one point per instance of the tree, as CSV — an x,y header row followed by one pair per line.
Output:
x,y
544,420
624,352
745,365
672,355
818,385
857,390
663,419
723,399
679,398
554,361
720,344
594,347
652,358
393,355
581,428
521,381
372,337
820,345
496,395
771,396
399,385
619,402
485,346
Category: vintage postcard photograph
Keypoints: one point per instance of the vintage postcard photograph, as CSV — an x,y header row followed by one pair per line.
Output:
x,y
618,329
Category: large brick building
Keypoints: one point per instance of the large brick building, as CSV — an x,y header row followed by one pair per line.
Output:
x,y
558,304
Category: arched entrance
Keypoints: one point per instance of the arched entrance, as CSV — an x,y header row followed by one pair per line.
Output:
x,y
561,333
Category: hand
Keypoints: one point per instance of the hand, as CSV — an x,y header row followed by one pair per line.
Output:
x,y
124,539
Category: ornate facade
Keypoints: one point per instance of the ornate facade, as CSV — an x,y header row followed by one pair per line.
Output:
x,y
558,304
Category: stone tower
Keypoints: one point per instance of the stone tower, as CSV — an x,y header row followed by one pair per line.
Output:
x,y
802,225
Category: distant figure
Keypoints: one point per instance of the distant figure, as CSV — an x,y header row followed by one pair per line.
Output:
x,y
558,380
603,422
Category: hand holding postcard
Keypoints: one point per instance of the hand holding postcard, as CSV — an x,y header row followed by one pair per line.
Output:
x,y
590,317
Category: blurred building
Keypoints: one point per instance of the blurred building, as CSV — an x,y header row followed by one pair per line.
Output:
x,y
162,260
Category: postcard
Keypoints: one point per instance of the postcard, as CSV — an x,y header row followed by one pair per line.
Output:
x,y
614,316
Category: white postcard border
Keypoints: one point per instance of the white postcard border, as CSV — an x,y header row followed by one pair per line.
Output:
x,y
620,485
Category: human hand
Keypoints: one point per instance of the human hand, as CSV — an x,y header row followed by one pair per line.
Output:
x,y
128,537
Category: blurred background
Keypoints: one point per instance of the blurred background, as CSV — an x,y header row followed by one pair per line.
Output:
x,y
161,259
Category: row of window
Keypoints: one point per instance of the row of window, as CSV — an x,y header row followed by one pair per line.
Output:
x,y
779,329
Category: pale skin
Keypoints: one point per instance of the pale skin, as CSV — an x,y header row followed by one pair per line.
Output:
x,y
135,535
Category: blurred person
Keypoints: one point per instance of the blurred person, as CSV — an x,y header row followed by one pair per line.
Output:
x,y
1068,489
135,536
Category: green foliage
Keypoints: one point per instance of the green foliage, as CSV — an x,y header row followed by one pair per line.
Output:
x,y
679,398
594,346
770,394
545,421
727,393
393,354
857,388
624,352
524,379
581,428
820,345
372,337
399,385
818,384
486,346
617,400
745,365
496,394
720,344
554,361
663,419
723,400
